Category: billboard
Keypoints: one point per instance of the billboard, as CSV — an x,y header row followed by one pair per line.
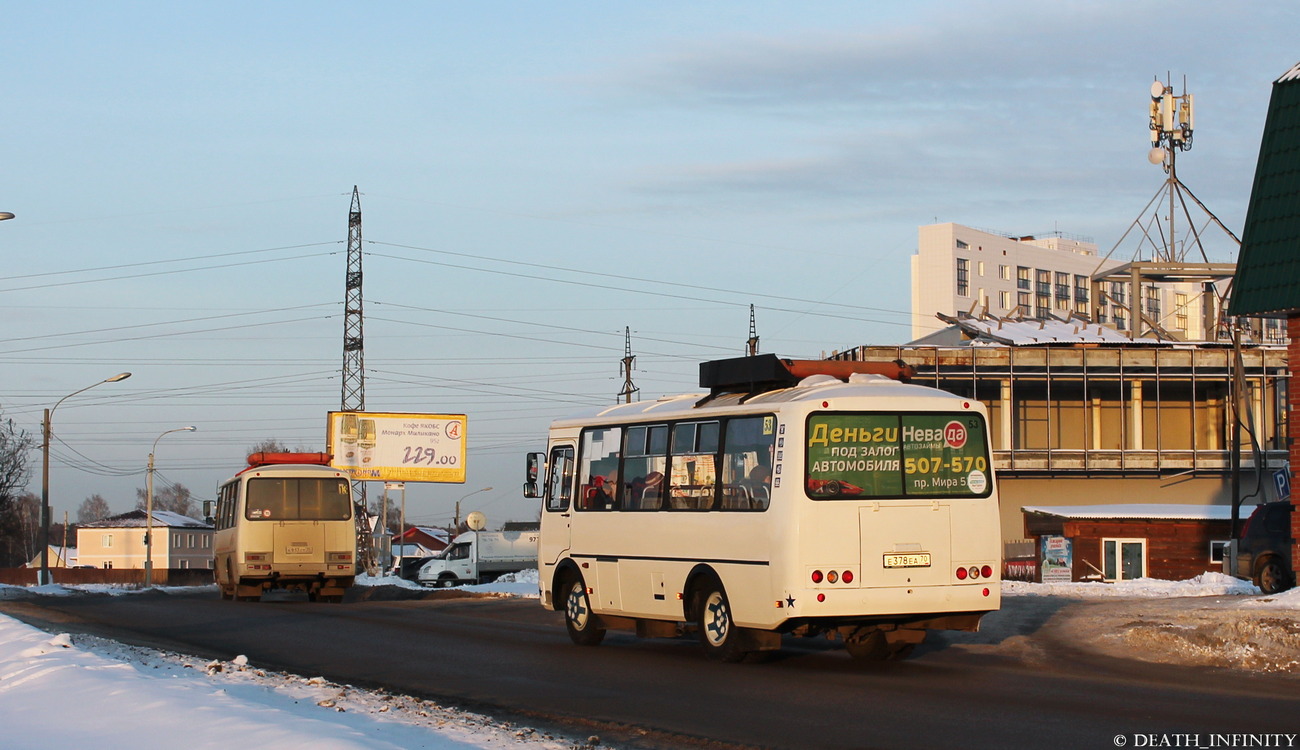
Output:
x,y
388,447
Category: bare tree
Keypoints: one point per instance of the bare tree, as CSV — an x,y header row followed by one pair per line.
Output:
x,y
93,508
175,498
14,446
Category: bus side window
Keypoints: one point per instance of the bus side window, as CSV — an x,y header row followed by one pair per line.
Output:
x,y
645,462
598,468
747,461
694,466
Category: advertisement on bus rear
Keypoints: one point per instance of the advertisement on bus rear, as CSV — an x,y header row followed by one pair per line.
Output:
x,y
882,455
389,447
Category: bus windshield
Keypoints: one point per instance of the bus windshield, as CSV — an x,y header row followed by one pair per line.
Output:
x,y
896,455
299,499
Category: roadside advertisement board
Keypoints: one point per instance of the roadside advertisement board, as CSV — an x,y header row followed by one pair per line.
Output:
x,y
389,447
1058,560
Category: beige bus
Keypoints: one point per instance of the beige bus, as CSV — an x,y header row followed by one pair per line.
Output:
x,y
855,506
285,522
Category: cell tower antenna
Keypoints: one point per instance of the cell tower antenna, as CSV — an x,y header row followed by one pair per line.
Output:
x,y
629,358
751,346
354,370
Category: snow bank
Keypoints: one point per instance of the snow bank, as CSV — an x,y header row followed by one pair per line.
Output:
x,y
1206,584
128,698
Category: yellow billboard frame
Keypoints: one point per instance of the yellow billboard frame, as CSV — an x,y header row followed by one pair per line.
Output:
x,y
397,447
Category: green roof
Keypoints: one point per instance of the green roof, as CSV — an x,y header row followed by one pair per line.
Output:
x,y
1268,269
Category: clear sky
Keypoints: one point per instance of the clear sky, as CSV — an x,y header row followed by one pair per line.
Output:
x,y
536,177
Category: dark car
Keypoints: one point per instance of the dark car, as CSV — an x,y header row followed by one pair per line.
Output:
x,y
1264,548
409,567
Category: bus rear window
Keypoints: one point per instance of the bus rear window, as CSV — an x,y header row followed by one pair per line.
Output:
x,y
299,499
893,455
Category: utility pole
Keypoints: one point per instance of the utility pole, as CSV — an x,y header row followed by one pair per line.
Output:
x,y
354,370
751,346
628,358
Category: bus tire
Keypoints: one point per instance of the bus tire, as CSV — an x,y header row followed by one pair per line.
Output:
x,y
578,617
721,638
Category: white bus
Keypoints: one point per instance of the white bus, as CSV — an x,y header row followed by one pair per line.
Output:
x,y
776,504
285,522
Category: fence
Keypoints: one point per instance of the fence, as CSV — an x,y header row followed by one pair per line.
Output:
x,y
121,576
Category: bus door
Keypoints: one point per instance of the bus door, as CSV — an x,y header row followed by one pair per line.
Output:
x,y
558,498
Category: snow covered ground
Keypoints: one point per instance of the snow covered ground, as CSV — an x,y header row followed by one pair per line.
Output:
x,y
141,698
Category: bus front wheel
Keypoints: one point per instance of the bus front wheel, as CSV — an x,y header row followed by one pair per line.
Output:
x,y
718,632
578,617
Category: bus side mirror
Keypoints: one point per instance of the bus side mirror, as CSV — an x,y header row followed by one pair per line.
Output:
x,y
207,511
532,473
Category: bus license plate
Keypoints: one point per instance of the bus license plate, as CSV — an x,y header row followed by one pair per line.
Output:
x,y
909,560
298,549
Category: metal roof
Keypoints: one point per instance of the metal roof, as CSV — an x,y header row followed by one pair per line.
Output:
x,y
1268,269
1137,511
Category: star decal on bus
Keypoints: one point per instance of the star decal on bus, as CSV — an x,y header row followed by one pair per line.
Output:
x,y
789,601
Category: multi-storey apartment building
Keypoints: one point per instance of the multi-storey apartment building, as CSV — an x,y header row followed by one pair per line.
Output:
x,y
961,270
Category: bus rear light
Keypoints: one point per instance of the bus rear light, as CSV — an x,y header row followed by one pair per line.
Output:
x,y
821,597
816,576
848,576
338,557
832,577
974,573
986,592
255,556
987,571
961,574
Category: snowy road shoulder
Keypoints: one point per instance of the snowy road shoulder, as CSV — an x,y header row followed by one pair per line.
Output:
x,y
131,697
1212,620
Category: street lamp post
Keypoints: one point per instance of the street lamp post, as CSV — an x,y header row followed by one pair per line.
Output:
x,y
148,508
44,578
455,521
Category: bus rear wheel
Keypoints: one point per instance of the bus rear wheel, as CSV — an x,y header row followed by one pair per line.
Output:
x,y
718,632
578,617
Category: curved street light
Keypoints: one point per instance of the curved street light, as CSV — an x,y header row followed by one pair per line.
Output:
x,y
148,508
44,578
455,522
5,215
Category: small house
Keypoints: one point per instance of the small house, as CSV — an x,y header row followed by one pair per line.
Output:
x,y
1128,541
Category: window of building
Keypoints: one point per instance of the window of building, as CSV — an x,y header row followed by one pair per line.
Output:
x,y
1022,278
193,541
1180,311
1081,289
963,245
1062,285
1004,300
207,541
1123,559
1023,301
1218,549
1004,273
1043,283
184,563
106,541
176,541
963,277
979,268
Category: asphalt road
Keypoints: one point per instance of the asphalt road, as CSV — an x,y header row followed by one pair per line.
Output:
x,y
1017,684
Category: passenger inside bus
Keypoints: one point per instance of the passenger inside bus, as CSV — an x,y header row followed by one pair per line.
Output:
x,y
758,486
